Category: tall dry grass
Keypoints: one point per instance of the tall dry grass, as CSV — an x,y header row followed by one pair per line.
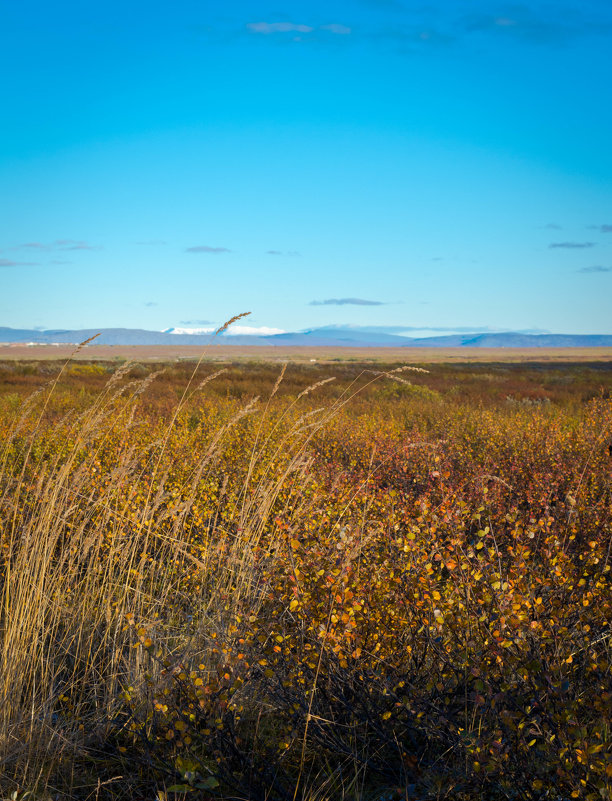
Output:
x,y
94,549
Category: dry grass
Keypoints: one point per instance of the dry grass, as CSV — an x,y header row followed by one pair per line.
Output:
x,y
284,589
85,568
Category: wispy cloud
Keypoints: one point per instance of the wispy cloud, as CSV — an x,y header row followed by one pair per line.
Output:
x,y
151,303
489,22
152,242
409,38
278,27
347,302
59,244
340,30
33,246
282,253
268,28
426,31
196,322
553,226
504,22
521,21
603,229
430,26
11,263
596,268
206,249
572,245
426,27
385,4
67,244
432,37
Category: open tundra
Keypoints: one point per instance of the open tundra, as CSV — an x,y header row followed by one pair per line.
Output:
x,y
305,581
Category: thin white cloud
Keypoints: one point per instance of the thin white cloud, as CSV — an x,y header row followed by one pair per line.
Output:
x,y
206,249
572,245
59,244
11,263
347,302
596,268
536,26
267,28
282,253
278,27
603,229
340,30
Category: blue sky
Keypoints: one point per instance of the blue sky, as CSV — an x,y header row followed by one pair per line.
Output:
x,y
372,162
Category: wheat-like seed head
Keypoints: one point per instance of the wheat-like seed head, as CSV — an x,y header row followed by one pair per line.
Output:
x,y
119,373
231,321
312,387
145,383
392,374
408,367
82,344
279,379
209,378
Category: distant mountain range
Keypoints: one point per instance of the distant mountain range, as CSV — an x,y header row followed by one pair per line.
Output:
x,y
331,336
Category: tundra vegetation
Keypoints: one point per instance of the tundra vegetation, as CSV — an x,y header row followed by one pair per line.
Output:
x,y
265,584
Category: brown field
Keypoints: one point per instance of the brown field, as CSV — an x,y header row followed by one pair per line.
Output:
x,y
329,581
163,353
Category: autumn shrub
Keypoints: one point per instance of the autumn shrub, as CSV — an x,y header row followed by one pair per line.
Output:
x,y
334,590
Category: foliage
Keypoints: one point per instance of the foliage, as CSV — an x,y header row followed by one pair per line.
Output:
x,y
338,590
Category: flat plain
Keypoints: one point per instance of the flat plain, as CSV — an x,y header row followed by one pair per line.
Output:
x,y
215,352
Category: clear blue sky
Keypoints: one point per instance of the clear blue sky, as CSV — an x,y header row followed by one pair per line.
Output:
x,y
419,164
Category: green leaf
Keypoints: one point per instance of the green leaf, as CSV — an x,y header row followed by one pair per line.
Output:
x,y
179,788
208,784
